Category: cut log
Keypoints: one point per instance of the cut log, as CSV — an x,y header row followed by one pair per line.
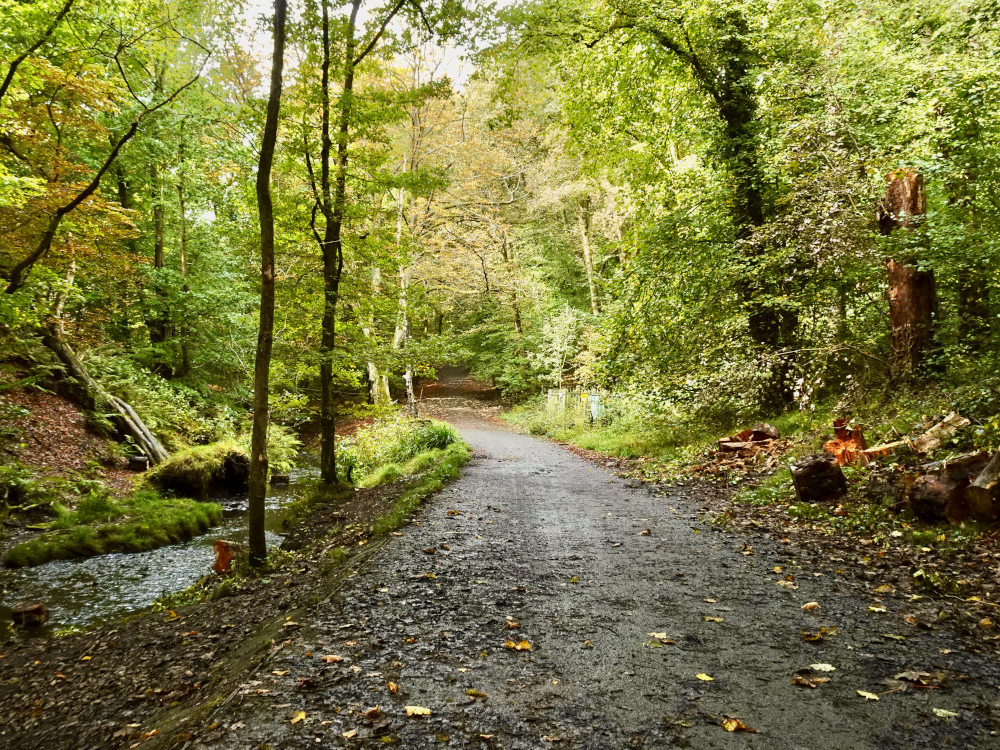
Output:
x,y
29,614
938,498
764,431
961,468
818,479
983,494
138,463
940,433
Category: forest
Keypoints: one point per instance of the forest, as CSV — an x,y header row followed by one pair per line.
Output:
x,y
711,214
248,244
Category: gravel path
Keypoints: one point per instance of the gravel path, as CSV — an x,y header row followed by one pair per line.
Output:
x,y
588,566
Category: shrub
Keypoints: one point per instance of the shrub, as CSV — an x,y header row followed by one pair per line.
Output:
x,y
394,440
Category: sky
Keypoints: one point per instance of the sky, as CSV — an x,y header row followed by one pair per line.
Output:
x,y
260,43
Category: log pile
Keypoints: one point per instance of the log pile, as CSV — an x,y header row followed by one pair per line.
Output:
x,y
759,448
966,486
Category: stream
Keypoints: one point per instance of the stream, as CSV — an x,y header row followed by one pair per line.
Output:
x,y
79,593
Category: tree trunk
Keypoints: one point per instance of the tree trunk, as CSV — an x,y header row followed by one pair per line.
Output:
x,y
583,224
265,333
185,364
912,292
984,493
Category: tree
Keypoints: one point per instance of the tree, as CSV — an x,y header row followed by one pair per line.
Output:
x,y
265,334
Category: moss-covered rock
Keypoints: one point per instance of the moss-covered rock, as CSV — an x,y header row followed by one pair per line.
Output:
x,y
203,471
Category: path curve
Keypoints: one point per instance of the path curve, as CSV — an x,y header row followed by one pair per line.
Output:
x,y
535,535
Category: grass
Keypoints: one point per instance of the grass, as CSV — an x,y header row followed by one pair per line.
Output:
x,y
392,472
101,524
393,440
202,471
451,461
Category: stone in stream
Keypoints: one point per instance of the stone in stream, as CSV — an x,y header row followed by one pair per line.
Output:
x,y
280,479
29,614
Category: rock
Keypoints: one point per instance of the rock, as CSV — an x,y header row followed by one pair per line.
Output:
x,y
29,614
280,479
983,494
818,479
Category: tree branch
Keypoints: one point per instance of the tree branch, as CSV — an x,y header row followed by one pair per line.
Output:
x,y
9,78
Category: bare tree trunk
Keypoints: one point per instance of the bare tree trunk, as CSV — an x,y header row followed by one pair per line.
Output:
x,y
912,292
185,365
265,333
583,223
378,382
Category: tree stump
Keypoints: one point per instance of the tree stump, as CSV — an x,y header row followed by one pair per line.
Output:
x,y
818,479
938,498
983,494
29,614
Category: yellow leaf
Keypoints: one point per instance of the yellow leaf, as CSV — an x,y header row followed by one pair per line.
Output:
x,y
885,588
299,716
332,658
661,637
944,714
735,725
823,667
393,687
709,618
280,672
86,658
811,606
574,579
878,609
520,646
417,711
705,678
867,696
350,735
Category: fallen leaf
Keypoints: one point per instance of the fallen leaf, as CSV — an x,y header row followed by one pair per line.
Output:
x,y
551,738
645,532
710,601
810,606
477,694
710,618
661,637
574,579
986,622
520,646
823,667
417,711
393,687
705,678
147,735
512,625
486,736
350,735
86,658
819,635
735,725
943,713
884,589
878,609
280,672
894,636
332,658
787,585
299,716
867,696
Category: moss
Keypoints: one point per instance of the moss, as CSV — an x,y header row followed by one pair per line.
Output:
x,y
203,471
382,475
101,525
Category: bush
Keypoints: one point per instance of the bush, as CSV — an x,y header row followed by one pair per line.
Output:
x,y
203,471
393,440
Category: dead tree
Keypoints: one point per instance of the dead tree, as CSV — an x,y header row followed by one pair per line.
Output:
x,y
912,292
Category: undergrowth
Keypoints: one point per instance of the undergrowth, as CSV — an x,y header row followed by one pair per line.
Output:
x,y
101,524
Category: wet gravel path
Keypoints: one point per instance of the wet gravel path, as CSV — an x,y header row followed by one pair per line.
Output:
x,y
534,535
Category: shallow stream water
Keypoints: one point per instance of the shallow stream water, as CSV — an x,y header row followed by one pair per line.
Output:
x,y
98,589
